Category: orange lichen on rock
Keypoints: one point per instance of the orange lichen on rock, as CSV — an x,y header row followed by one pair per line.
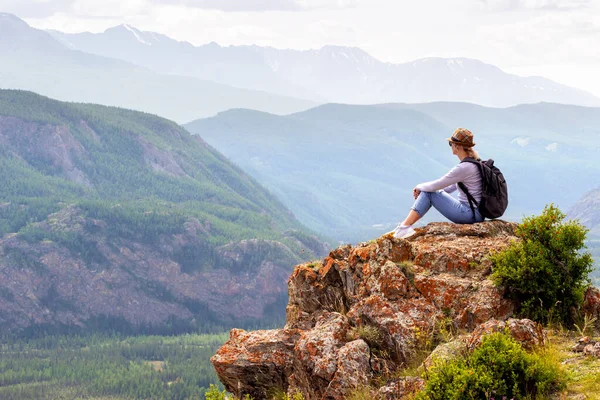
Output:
x,y
361,254
328,263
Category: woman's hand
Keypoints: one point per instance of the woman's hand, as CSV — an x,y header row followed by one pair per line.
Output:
x,y
416,193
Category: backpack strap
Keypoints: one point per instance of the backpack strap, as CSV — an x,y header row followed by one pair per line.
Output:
x,y
471,199
463,187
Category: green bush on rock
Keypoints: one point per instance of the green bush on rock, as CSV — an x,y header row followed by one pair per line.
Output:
x,y
498,369
213,393
545,272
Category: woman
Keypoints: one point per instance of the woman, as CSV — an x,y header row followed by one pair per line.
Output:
x,y
436,193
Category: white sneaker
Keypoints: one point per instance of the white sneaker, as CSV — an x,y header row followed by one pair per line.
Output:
x,y
402,232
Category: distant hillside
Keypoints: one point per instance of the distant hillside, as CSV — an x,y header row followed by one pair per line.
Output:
x,y
587,210
34,60
330,74
114,219
349,170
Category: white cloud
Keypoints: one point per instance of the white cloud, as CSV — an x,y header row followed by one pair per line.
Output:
x,y
521,141
552,147
517,5
260,5
549,38
109,8
315,4
127,8
34,8
332,31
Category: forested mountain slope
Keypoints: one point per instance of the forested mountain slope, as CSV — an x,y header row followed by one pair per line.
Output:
x,y
115,218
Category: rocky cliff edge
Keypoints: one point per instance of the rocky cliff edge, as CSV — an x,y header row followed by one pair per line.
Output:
x,y
366,310
370,311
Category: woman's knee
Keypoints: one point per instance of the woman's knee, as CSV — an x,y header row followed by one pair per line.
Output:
x,y
427,194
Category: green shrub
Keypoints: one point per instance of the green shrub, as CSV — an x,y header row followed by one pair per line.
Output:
x,y
499,368
295,396
545,272
280,394
213,393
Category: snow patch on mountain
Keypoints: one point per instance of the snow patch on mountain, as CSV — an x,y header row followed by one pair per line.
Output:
x,y
62,38
137,34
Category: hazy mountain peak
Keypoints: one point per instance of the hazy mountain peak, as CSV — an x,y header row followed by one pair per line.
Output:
x,y
10,16
454,61
17,35
213,44
6,19
351,53
139,36
469,69
333,47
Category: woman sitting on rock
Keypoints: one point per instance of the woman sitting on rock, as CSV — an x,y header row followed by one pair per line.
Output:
x,y
436,193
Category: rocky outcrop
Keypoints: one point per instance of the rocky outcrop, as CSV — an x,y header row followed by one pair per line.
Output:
x,y
53,146
368,309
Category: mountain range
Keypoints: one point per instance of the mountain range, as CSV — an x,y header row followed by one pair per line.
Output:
x,y
33,60
349,170
329,74
150,72
121,220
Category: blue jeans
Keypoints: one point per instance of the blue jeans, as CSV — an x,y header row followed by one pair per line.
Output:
x,y
448,206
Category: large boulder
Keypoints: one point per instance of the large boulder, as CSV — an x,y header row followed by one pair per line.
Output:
x,y
255,363
526,332
529,334
316,354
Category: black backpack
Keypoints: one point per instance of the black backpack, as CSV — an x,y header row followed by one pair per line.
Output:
x,y
494,195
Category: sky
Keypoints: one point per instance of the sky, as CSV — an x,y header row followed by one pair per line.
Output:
x,y
557,39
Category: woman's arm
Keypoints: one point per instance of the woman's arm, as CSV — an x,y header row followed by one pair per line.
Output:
x,y
450,189
455,175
